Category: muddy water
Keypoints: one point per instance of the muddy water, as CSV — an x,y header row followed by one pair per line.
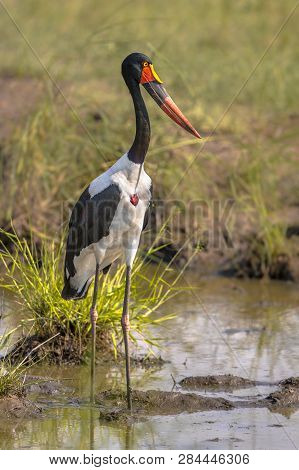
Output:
x,y
245,328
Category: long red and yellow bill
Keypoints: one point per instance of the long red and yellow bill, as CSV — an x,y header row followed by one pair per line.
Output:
x,y
153,85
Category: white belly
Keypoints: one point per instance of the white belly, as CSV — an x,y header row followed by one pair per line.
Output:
x,y
124,233
123,239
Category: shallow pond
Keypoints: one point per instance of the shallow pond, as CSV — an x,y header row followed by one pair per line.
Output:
x,y
246,328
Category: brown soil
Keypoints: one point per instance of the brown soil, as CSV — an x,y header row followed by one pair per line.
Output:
x,y
112,403
44,386
231,241
61,350
18,407
291,381
219,382
18,96
288,396
154,402
67,350
240,257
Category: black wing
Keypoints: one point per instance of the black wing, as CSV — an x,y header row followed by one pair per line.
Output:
x,y
90,221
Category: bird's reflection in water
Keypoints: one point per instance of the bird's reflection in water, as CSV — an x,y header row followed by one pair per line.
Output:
x,y
129,436
127,431
91,428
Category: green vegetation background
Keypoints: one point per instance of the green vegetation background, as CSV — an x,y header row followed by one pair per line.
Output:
x,y
204,51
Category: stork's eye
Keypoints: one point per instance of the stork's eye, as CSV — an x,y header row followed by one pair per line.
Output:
x,y
145,64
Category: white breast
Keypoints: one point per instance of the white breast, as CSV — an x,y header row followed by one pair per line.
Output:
x,y
125,173
127,223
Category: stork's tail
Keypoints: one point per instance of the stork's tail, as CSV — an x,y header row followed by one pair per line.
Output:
x,y
70,293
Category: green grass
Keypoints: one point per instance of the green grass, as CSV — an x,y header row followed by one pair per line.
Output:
x,y
36,281
11,375
204,51
11,378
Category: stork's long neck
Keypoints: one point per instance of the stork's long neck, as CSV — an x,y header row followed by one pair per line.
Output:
x,y
141,142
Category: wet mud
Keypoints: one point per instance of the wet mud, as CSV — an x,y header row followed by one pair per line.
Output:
x,y
112,405
25,404
35,348
18,407
62,349
287,396
45,386
220,382
261,321
154,402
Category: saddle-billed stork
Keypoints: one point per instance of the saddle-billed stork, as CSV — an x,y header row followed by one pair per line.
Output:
x,y
107,220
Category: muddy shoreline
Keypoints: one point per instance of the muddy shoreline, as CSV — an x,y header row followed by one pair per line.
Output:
x,y
242,259
153,402
111,404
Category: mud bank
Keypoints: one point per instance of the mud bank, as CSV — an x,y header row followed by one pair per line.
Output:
x,y
44,386
61,349
155,402
67,350
18,407
219,382
24,405
287,397
112,403
242,260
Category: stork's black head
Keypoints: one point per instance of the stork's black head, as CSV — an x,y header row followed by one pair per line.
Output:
x,y
138,68
132,66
